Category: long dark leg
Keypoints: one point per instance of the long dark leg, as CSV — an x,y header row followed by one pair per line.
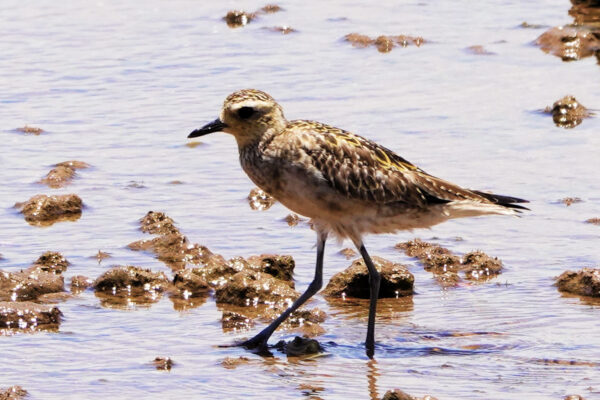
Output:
x,y
374,280
260,341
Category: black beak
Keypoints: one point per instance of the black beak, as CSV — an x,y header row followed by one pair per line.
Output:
x,y
216,126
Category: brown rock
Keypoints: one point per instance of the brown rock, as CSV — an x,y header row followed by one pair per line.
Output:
x,y
31,130
396,280
190,282
383,43
13,393
79,283
585,12
271,8
570,43
281,267
260,200
233,321
585,282
158,223
301,347
217,271
51,261
28,285
250,288
568,113
232,363
58,177
479,266
358,40
25,315
124,284
593,221
292,219
163,363
237,18
46,210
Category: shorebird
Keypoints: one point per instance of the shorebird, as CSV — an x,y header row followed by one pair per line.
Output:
x,y
348,185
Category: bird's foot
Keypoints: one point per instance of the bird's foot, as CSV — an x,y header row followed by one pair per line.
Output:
x,y
257,344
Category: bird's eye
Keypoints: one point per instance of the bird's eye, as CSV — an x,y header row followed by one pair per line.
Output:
x,y
245,112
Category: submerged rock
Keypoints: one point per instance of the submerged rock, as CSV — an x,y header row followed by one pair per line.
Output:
x,y
593,221
570,43
348,253
292,219
396,280
101,255
158,223
585,282
285,30
234,321
28,285
25,315
479,51
301,347
383,43
190,283
73,164
570,200
260,200
478,265
46,210
586,12
232,363
568,113
250,288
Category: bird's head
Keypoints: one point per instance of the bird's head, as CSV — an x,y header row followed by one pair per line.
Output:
x,y
248,115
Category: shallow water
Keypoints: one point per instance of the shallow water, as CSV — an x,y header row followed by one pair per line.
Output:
x,y
120,85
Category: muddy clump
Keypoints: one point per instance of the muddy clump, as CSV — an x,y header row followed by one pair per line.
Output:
x,y
278,266
28,316
79,283
63,173
232,363
348,253
50,261
251,288
238,18
13,393
585,282
479,50
593,221
31,130
383,43
292,219
570,200
122,285
163,363
190,283
235,321
396,280
284,30
475,265
568,112
46,210
586,12
260,200
158,223
101,255
299,346
398,394
28,285
570,43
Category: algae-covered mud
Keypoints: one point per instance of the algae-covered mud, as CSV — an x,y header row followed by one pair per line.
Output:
x,y
132,257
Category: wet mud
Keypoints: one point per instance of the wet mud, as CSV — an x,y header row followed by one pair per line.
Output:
x,y
29,284
42,210
25,316
239,18
122,286
31,130
568,112
396,280
446,266
383,43
13,393
585,282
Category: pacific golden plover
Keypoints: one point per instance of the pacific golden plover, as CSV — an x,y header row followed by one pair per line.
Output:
x,y
348,185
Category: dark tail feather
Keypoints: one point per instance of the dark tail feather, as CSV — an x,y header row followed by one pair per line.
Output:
x,y
506,201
